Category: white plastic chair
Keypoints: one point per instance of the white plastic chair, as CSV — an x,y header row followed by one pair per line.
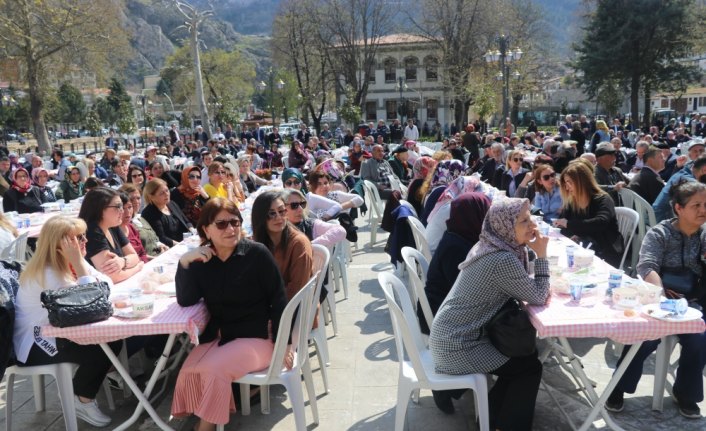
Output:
x,y
318,334
419,233
415,261
628,220
16,250
276,373
63,374
647,220
339,271
409,206
662,369
375,209
418,371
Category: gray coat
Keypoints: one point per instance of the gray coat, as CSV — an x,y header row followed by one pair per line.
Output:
x,y
480,290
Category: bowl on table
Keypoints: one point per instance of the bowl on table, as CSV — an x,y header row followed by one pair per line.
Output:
x,y
583,258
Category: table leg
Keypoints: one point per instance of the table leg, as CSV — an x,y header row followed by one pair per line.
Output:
x,y
599,402
143,402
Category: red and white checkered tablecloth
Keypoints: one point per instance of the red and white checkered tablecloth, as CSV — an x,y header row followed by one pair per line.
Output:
x,y
594,317
168,316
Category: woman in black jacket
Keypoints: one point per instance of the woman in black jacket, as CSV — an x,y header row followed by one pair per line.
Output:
x,y
509,177
165,216
22,196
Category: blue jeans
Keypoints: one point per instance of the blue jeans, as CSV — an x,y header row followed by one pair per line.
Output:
x,y
688,385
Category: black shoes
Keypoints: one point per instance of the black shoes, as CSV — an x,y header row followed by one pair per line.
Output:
x,y
442,399
615,402
688,409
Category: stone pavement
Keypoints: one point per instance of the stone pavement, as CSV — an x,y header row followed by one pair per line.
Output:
x,y
363,380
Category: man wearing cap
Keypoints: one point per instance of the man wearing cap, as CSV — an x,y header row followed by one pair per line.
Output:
x,y
670,161
411,131
647,183
399,163
608,177
378,171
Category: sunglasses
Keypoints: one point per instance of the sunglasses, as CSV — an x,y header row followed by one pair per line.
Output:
x,y
194,177
81,238
516,159
220,172
271,215
223,224
292,182
296,205
548,176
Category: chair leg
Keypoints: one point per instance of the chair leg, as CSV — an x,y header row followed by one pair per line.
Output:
x,y
64,383
292,382
480,394
311,393
108,395
245,399
404,390
265,399
8,401
321,344
38,389
320,351
664,352
343,274
331,302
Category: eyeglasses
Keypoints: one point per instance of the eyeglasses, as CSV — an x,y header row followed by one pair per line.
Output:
x,y
516,159
118,207
271,215
290,183
194,177
548,176
219,173
81,238
223,224
296,205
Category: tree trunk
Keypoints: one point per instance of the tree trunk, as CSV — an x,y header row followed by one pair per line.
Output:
x,y
648,92
36,107
198,80
634,96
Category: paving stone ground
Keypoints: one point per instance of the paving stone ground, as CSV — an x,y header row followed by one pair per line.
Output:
x,y
363,380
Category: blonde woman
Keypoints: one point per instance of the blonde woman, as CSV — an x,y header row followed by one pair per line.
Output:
x,y
510,176
588,213
59,262
239,192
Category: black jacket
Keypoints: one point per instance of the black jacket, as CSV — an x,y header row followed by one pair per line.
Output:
x,y
169,229
647,184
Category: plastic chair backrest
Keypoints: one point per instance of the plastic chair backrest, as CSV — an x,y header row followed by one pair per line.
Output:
x,y
409,205
419,233
299,304
372,193
16,249
415,261
405,339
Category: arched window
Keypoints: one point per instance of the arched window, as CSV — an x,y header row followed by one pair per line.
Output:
x,y
431,65
410,68
390,65
432,109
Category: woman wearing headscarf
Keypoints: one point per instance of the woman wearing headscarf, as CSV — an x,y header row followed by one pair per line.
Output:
x,y
495,271
40,177
420,171
293,178
446,171
189,195
436,222
72,186
22,196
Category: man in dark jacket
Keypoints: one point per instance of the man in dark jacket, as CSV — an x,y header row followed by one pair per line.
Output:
x,y
608,177
647,183
398,163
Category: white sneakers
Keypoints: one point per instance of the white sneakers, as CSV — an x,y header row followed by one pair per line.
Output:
x,y
90,413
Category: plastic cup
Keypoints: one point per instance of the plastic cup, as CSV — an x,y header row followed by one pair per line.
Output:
x,y
570,249
615,280
576,290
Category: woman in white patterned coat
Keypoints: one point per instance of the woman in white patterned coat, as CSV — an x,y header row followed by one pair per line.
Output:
x,y
495,270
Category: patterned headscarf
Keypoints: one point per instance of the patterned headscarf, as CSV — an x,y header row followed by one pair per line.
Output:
x,y
422,166
331,167
447,171
294,173
498,232
460,185
28,184
185,188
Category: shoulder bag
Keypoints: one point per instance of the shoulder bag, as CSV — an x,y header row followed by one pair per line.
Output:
x,y
511,332
78,305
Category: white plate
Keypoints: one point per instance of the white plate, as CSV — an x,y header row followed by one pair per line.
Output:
x,y
125,313
653,310
167,288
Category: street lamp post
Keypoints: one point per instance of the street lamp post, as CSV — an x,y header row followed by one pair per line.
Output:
x,y
170,103
505,56
144,119
280,85
401,86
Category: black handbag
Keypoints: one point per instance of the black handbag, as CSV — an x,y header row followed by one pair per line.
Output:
x,y
511,332
78,305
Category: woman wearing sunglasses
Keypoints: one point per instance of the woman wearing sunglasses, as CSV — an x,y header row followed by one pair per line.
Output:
x,y
326,203
108,249
510,176
165,216
57,263
318,232
290,248
292,178
547,197
217,186
190,197
233,180
243,291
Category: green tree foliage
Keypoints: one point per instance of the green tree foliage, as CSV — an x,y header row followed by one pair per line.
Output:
x,y
53,36
118,95
92,121
71,104
349,111
105,111
640,45
126,118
